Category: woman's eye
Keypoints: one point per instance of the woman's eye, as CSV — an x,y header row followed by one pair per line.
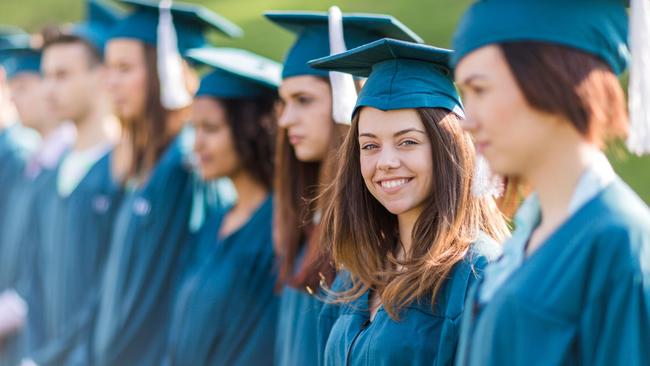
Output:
x,y
368,147
304,100
212,128
477,90
408,142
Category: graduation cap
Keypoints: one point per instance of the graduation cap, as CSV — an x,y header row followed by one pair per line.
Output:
x,y
597,27
237,73
405,75
191,22
20,60
400,75
13,37
172,29
100,19
313,42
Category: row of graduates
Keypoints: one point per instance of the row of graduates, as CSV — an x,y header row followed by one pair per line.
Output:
x,y
278,230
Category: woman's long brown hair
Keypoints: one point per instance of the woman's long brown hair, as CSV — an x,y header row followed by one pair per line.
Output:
x,y
150,134
363,236
299,202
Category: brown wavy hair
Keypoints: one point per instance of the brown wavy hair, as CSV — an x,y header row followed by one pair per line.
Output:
x,y
299,201
363,236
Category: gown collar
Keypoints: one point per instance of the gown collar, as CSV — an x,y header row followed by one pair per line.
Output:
x,y
596,177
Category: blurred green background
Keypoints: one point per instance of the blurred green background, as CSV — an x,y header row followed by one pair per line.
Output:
x,y
432,20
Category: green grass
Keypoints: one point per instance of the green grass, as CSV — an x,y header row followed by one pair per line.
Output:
x,y
432,20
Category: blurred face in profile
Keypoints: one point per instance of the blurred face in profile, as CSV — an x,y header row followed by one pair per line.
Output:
x,y
28,95
511,134
306,116
127,77
73,80
214,144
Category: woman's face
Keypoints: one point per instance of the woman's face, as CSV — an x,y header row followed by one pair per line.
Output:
x,y
127,77
306,116
511,135
395,157
214,144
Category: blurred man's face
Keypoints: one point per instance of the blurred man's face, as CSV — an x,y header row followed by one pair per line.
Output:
x,y
72,81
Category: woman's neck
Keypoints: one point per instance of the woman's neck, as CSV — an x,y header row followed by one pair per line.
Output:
x,y
97,127
406,223
250,193
554,178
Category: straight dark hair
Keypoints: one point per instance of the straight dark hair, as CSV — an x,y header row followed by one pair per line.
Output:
x,y
53,36
571,83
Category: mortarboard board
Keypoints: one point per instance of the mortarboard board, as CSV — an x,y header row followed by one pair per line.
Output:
x,y
598,27
100,18
19,60
237,73
312,33
400,75
13,37
191,23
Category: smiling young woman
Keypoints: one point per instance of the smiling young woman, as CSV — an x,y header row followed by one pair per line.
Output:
x,y
403,224
306,156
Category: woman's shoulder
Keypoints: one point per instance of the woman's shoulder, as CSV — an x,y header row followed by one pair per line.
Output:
x,y
451,299
619,230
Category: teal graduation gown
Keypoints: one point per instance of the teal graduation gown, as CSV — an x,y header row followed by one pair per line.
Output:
x,y
18,243
225,313
424,334
72,254
16,144
582,298
144,264
296,339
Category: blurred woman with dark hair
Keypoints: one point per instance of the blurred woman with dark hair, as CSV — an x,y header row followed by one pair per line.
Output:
x,y
225,313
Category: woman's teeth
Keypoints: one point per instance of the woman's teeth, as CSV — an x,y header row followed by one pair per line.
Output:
x,y
393,183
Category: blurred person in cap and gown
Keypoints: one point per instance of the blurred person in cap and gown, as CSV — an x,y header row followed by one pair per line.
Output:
x,y
76,218
18,237
16,141
151,89
542,100
225,312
